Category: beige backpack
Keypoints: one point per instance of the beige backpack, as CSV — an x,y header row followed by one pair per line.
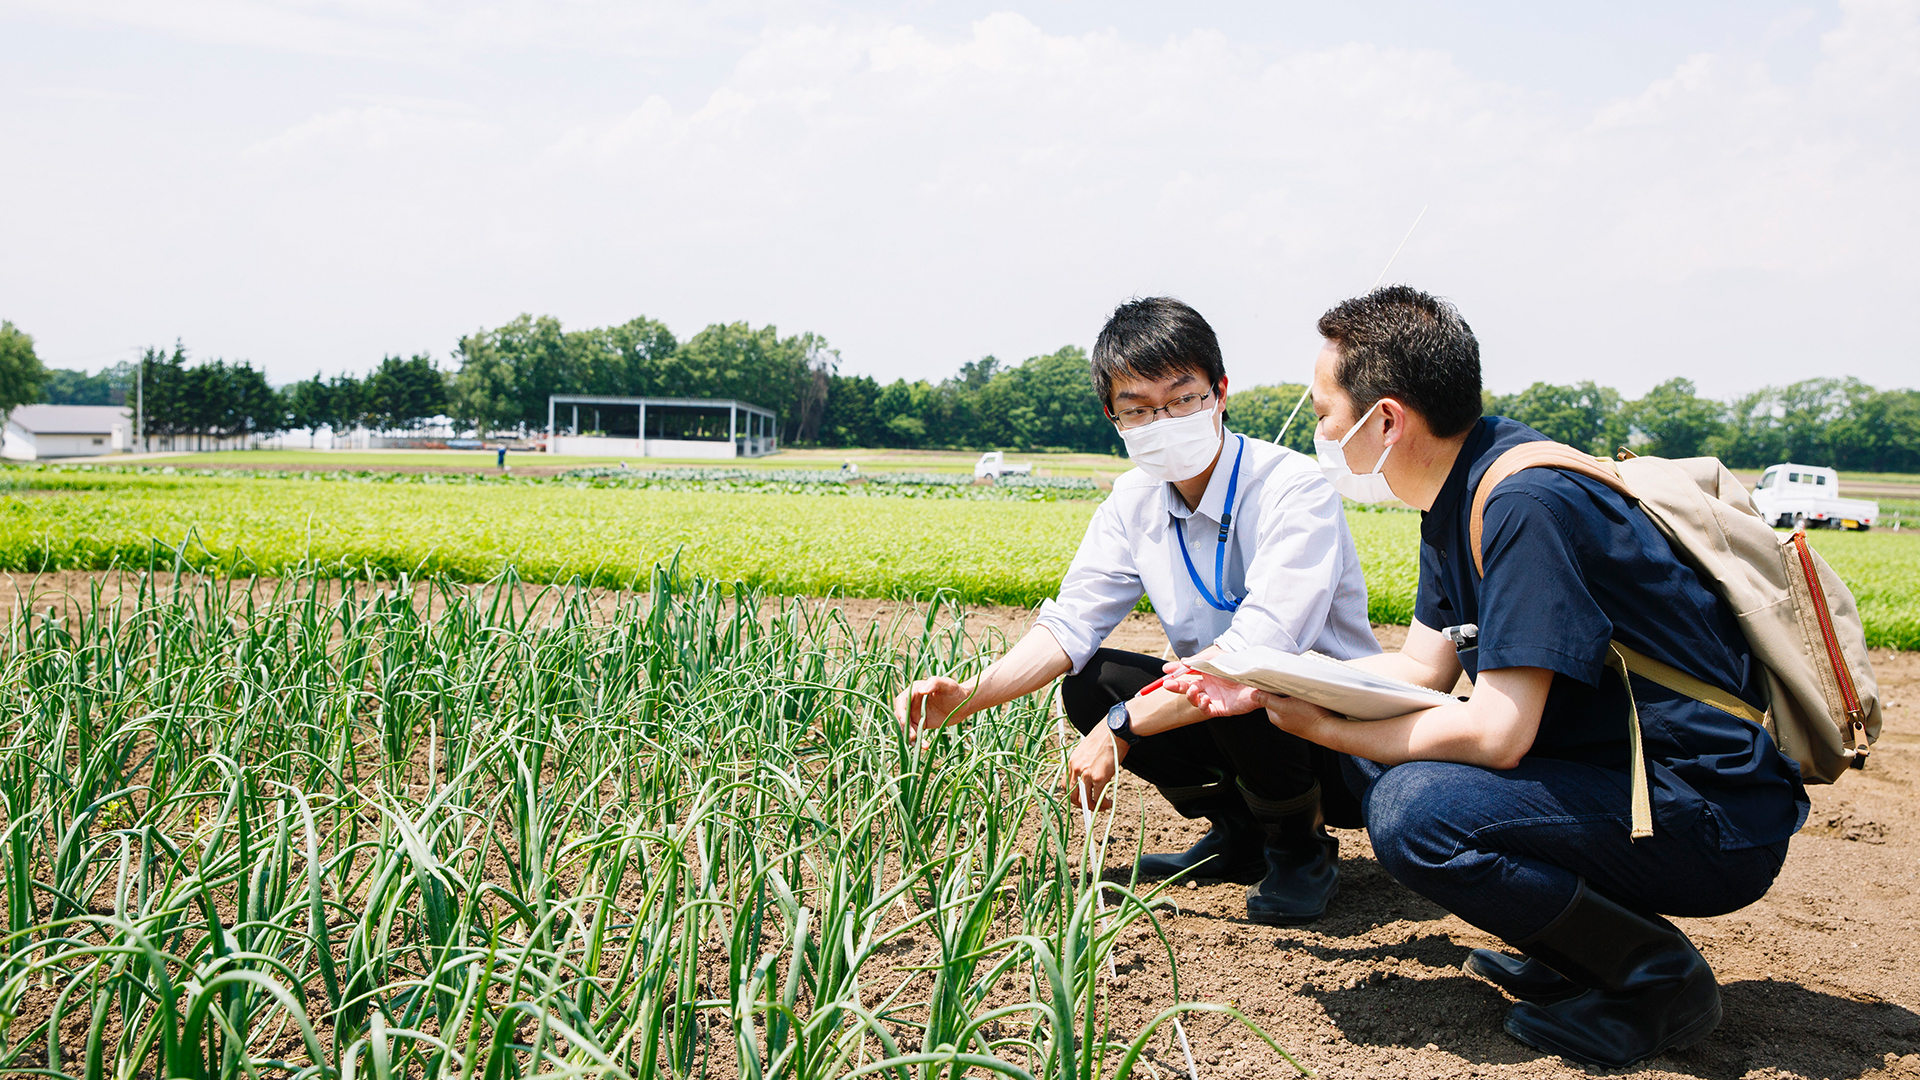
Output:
x,y
1823,707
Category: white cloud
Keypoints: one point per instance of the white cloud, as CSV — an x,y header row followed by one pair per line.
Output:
x,y
923,196
375,128
420,30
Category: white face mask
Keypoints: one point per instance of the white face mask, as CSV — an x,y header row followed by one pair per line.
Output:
x,y
1370,487
1176,448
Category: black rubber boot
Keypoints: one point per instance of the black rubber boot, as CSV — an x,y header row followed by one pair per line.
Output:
x,y
1649,990
1522,976
1303,868
1230,851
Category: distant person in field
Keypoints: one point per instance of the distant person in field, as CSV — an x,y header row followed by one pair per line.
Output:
x,y
1236,541
1512,809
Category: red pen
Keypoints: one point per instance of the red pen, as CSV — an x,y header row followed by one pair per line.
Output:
x,y
1159,682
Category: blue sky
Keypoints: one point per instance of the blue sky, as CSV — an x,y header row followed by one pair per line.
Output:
x,y
1623,193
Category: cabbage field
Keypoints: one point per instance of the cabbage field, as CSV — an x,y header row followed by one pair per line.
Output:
x,y
888,540
785,532
332,829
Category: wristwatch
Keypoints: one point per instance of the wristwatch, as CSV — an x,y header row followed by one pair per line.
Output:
x,y
1120,724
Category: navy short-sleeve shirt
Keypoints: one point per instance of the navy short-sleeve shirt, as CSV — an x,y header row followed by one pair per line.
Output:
x,y
1570,566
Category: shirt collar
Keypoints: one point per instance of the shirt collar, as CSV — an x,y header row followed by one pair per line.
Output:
x,y
1491,436
1213,501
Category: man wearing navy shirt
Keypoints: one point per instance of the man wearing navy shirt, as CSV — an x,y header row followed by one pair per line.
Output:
x,y
1511,808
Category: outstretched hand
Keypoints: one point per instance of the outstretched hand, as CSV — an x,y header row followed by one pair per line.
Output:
x,y
929,703
1095,761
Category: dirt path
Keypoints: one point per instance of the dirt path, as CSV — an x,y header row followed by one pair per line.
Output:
x,y
1821,978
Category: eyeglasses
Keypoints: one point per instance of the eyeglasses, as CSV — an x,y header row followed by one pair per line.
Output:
x,y
1141,415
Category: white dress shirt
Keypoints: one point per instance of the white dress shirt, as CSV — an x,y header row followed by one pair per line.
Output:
x,y
1289,557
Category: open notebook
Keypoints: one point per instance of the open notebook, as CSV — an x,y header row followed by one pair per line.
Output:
x,y
1329,683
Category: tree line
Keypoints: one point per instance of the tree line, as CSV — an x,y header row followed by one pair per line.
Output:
x,y
501,377
1839,422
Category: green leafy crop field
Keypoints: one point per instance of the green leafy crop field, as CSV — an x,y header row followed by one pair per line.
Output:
x,y
980,551
1008,552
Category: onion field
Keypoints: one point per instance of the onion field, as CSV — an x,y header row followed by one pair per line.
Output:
x,y
313,828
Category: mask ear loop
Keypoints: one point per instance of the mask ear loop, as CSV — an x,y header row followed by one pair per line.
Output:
x,y
1355,430
1388,447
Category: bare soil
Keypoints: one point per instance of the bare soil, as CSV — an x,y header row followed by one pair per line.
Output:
x,y
1821,978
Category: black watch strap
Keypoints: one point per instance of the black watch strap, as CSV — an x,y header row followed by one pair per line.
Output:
x,y
1120,723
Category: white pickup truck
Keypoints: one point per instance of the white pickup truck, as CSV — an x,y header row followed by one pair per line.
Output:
x,y
994,464
1797,496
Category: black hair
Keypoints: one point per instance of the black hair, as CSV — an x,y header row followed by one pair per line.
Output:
x,y
1401,343
1154,338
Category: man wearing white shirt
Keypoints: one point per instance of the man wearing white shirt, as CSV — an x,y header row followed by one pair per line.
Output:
x,y
1236,542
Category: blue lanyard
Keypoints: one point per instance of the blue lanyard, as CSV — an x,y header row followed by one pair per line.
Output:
x,y
1217,599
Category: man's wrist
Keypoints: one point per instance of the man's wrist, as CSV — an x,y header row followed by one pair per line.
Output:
x,y
1120,723
969,701
1101,733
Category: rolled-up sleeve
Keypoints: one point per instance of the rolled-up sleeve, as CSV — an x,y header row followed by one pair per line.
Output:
x,y
1102,584
1290,586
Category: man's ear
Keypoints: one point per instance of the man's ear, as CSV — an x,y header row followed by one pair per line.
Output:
x,y
1397,418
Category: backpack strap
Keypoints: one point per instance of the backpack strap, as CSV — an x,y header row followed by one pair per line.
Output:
x,y
1682,683
1555,455
1623,659
1640,803
1532,455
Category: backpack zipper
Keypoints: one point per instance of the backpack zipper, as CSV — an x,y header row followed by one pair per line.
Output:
x,y
1849,697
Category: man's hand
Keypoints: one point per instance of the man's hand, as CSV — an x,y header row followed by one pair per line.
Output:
x,y
1091,769
930,703
1299,717
1223,697
1219,697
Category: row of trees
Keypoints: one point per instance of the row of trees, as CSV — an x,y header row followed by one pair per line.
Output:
x,y
213,399
503,377
1843,423
505,374
399,395
219,400
1047,401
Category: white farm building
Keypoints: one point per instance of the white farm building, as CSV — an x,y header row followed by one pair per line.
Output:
x,y
36,432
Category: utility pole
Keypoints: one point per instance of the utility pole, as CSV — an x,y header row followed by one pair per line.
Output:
x,y
140,403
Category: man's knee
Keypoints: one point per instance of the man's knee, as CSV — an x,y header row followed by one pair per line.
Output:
x,y
1407,818
1111,675
1084,700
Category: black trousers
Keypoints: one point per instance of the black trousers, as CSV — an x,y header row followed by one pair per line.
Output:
x,y
1269,762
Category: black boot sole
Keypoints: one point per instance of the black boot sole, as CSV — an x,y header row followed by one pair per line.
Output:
x,y
1276,918
1679,1040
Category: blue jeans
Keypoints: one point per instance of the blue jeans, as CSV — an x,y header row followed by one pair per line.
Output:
x,y
1504,849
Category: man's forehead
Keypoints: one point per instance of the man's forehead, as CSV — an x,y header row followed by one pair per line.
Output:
x,y
1138,387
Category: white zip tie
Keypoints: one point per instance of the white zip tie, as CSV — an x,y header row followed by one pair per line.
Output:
x,y
1284,428
1396,251
1185,1051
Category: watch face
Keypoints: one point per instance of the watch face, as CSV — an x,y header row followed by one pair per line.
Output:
x,y
1117,722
